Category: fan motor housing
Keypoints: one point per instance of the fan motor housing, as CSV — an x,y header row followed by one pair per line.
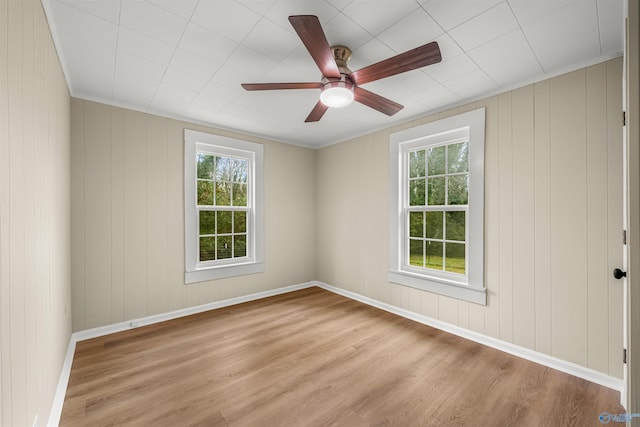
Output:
x,y
342,55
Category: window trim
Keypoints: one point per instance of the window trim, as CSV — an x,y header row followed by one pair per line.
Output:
x,y
195,271
438,133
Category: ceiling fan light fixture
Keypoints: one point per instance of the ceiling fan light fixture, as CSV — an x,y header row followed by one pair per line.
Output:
x,y
337,93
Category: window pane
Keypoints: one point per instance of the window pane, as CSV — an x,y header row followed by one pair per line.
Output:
x,y
455,226
239,194
239,170
223,194
436,191
434,225
207,248
435,161
205,166
224,222
205,193
224,247
416,252
223,169
458,190
239,246
458,157
239,222
416,164
455,258
207,222
416,192
434,255
416,224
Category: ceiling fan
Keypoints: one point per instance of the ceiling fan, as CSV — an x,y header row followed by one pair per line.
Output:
x,y
339,85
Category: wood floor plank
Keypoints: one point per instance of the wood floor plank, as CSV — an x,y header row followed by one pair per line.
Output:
x,y
314,358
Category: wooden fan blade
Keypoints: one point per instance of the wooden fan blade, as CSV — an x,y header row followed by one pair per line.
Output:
x,y
277,86
310,32
410,60
317,112
376,101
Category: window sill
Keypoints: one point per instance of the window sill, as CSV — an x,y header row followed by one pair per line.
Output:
x,y
221,272
449,289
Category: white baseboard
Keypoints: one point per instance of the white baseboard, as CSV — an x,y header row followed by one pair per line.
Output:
x,y
525,353
516,350
63,382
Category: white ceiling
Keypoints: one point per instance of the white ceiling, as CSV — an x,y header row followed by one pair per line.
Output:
x,y
186,58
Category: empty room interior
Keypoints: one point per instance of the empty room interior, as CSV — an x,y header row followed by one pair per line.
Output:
x,y
309,213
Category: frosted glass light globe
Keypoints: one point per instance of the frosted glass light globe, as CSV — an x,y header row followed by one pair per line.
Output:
x,y
337,94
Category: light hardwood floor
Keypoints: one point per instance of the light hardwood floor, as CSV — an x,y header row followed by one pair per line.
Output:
x,y
314,358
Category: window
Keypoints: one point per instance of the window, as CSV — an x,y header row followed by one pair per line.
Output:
x,y
223,207
437,204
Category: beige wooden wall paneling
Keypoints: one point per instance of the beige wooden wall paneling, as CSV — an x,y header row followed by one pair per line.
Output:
x,y
97,188
157,214
505,216
17,232
522,104
5,402
77,214
35,317
116,207
128,219
542,217
569,218
552,220
597,221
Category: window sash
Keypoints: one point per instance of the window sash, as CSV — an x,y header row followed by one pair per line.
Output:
x,y
225,153
247,233
408,208
406,255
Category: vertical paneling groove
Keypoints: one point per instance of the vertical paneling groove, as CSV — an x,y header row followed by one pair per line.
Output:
x,y
5,223
97,213
448,309
135,227
569,217
542,218
596,179
506,216
29,171
117,215
523,217
78,173
175,219
17,217
156,178
41,288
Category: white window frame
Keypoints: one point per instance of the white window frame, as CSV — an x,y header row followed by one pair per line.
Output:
x,y
200,142
470,286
